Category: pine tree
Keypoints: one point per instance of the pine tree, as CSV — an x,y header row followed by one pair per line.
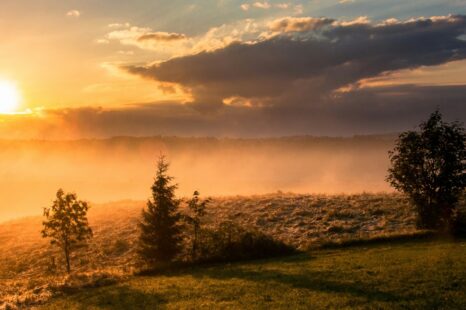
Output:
x,y
160,232
66,223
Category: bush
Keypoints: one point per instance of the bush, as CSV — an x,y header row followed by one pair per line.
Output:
x,y
230,242
118,248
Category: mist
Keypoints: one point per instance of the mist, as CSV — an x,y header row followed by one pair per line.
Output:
x,y
123,168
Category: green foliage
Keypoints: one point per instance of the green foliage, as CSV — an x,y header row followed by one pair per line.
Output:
x,y
197,209
160,232
231,242
429,166
66,223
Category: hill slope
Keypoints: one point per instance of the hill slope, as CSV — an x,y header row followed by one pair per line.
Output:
x,y
414,275
26,275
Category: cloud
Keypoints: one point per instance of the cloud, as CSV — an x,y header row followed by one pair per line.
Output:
x,y
162,36
282,5
262,5
119,25
298,24
73,13
298,9
170,45
307,62
363,111
126,53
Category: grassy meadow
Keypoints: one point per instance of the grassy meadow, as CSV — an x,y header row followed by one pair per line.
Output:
x,y
413,274
32,272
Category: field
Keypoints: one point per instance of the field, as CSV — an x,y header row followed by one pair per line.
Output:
x,y
27,275
415,275
32,272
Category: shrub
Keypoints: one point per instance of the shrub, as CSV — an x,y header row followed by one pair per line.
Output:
x,y
230,242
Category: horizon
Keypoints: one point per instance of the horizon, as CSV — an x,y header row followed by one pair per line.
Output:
x,y
104,170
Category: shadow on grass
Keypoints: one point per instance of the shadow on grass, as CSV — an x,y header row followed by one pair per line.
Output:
x,y
316,281
421,236
124,296
426,236
117,297
127,297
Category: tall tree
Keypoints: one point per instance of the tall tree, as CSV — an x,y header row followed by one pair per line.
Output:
x,y
429,166
66,223
198,211
160,232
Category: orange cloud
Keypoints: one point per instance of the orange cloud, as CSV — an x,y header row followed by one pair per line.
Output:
x,y
162,36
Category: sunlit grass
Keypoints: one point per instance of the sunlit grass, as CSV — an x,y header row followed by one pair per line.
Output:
x,y
415,275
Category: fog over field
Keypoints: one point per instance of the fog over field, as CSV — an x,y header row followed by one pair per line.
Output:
x,y
123,168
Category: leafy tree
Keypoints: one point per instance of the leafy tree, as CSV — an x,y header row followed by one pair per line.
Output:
x,y
429,165
160,237
66,223
198,211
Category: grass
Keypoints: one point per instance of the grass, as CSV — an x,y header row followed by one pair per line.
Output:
x,y
27,276
416,274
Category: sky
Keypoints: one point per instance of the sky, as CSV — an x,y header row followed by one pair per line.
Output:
x,y
102,68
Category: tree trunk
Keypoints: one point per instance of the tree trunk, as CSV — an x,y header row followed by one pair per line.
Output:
x,y
194,248
67,258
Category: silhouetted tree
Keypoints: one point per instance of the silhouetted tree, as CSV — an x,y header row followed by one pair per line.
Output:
x,y
429,167
160,237
198,211
66,223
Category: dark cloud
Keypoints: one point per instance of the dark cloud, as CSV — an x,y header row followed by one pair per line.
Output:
x,y
299,24
316,59
364,111
290,84
162,36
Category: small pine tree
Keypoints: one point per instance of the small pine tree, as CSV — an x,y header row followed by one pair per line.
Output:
x,y
198,211
66,223
160,232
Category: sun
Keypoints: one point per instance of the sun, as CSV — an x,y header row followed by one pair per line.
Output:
x,y
9,97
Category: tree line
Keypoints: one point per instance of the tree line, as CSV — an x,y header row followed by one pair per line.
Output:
x,y
428,165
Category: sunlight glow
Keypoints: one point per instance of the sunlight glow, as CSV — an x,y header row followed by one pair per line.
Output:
x,y
9,97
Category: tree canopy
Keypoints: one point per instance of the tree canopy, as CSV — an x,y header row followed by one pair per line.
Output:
x,y
429,166
66,223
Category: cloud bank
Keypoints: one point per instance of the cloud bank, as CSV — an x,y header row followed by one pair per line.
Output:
x,y
310,59
301,75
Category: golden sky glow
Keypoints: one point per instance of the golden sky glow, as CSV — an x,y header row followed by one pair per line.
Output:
x,y
452,73
233,68
60,55
10,97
